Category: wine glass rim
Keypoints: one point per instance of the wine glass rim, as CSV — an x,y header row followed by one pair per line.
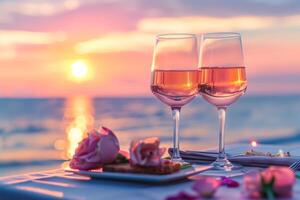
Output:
x,y
222,35
176,36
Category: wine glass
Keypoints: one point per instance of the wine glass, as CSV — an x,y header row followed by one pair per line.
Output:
x,y
223,80
174,76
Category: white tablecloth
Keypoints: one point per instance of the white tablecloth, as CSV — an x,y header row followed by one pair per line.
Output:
x,y
57,184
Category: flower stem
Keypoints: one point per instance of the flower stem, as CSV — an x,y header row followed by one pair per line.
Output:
x,y
269,193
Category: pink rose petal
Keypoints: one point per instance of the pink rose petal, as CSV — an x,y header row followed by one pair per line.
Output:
x,y
206,186
182,196
229,182
146,152
98,148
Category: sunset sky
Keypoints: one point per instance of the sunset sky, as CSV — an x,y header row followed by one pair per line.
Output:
x,y
57,48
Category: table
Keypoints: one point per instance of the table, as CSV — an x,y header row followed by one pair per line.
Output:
x,y
58,184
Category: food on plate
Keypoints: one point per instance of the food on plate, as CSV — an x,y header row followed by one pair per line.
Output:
x,y
166,167
101,149
145,157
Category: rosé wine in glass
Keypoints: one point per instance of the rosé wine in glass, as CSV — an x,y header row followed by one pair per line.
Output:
x,y
175,87
222,86
223,80
175,76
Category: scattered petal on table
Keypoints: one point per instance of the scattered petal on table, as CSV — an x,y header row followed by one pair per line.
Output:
x,y
182,196
229,182
206,186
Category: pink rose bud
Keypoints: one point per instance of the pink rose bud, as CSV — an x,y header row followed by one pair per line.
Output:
x,y
206,186
284,179
146,152
98,148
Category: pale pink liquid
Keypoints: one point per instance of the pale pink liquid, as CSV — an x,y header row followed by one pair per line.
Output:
x,y
175,87
221,86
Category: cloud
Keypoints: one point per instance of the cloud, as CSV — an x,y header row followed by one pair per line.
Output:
x,y
142,39
89,19
35,8
228,8
10,8
153,8
116,42
203,24
199,24
10,39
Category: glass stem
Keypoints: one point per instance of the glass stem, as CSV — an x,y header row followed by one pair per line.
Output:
x,y
222,117
176,118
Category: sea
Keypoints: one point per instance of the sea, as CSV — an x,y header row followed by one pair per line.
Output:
x,y
40,134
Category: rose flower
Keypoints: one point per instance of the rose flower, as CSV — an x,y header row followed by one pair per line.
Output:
x,y
274,181
284,179
98,148
146,152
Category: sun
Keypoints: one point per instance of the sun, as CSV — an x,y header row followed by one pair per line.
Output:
x,y
79,70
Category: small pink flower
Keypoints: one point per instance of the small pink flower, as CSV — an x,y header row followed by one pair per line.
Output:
x,y
252,185
279,180
229,182
98,148
206,186
284,179
146,152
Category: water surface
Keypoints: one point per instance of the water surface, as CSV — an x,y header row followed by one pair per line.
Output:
x,y
40,133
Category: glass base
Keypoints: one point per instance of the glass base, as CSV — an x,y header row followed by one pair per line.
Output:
x,y
225,165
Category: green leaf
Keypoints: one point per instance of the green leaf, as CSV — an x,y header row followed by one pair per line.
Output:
x,y
185,166
121,159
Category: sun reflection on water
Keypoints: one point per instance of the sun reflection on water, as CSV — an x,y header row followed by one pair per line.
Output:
x,y
78,119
